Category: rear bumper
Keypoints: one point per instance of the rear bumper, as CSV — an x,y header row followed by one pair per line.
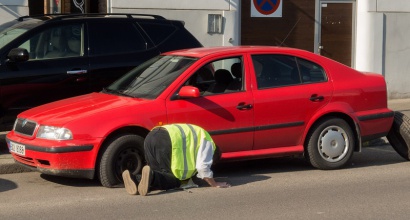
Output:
x,y
375,124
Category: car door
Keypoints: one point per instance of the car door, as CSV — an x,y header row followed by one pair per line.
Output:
x,y
116,46
56,69
289,91
226,114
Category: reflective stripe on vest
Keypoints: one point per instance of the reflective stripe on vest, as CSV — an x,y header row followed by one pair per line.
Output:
x,y
186,141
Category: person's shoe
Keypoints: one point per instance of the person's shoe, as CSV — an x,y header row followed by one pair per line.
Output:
x,y
129,182
143,187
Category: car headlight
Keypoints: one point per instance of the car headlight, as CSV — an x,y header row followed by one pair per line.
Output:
x,y
54,133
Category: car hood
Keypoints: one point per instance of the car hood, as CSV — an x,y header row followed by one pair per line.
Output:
x,y
66,110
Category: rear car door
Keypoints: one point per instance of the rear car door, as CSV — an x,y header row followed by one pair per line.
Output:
x,y
224,108
56,69
116,46
289,91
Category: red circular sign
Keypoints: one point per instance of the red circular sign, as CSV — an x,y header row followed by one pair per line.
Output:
x,y
266,7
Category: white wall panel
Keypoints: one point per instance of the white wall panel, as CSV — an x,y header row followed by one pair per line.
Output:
x,y
174,4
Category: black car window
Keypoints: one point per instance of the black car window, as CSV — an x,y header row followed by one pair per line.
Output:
x,y
311,72
219,76
114,38
274,70
56,42
157,32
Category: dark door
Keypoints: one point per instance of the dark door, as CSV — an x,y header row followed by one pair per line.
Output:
x,y
56,69
337,32
115,48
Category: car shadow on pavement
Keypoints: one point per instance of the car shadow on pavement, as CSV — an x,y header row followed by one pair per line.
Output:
x,y
378,155
7,185
67,181
245,172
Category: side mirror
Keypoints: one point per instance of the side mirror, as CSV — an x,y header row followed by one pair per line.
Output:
x,y
18,55
189,92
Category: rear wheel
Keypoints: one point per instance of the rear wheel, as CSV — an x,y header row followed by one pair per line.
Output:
x,y
124,152
330,144
399,135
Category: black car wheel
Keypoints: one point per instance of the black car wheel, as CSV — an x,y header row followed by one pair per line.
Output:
x,y
124,152
330,144
399,135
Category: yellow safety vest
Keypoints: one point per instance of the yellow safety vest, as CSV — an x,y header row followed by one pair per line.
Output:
x,y
186,140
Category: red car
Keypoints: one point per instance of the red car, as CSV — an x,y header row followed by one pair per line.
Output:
x,y
255,102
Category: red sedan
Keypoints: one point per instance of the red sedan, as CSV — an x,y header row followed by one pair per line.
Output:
x,y
255,102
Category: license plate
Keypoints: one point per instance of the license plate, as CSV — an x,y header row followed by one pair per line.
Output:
x,y
17,148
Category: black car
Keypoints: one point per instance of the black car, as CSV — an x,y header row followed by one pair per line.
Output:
x,y
51,57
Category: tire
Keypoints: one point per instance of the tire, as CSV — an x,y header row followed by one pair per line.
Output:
x,y
330,144
125,152
399,135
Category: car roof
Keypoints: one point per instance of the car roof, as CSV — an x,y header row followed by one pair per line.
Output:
x,y
220,50
52,17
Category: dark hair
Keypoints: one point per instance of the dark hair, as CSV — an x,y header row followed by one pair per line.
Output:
x,y
217,155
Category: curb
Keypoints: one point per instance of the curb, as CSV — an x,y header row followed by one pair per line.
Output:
x,y
8,165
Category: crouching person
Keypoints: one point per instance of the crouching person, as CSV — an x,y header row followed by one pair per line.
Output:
x,y
174,153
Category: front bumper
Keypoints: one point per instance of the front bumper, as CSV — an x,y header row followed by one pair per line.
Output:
x,y
60,158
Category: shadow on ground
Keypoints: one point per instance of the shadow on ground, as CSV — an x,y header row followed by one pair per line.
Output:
x,y
7,185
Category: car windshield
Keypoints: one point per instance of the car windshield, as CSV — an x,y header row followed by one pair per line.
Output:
x,y
149,79
12,29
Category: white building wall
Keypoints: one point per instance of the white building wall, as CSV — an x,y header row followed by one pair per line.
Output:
x,y
383,42
193,13
12,9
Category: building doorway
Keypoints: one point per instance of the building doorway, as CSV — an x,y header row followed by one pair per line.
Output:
x,y
336,30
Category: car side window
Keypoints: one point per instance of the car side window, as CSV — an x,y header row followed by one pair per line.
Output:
x,y
115,38
157,32
311,72
220,76
274,70
57,42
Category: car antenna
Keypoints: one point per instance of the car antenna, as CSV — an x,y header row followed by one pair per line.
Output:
x,y
289,32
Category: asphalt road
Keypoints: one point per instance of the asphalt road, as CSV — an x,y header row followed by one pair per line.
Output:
x,y
375,185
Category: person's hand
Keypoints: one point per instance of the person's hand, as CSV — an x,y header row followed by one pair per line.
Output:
x,y
222,185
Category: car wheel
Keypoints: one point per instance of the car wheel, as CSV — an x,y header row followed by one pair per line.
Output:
x,y
330,144
124,152
399,135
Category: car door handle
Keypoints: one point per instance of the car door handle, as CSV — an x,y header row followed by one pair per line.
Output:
x,y
76,72
243,106
316,98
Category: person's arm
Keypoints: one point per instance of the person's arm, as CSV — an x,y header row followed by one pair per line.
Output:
x,y
204,163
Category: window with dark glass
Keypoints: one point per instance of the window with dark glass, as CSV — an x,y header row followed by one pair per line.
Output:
x,y
219,76
311,72
115,37
57,42
274,70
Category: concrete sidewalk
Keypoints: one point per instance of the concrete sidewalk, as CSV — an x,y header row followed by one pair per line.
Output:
x,y
7,164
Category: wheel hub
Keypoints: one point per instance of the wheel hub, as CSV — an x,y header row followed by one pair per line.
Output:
x,y
333,144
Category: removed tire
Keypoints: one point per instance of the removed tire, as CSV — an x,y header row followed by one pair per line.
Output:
x,y
123,152
399,135
330,144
